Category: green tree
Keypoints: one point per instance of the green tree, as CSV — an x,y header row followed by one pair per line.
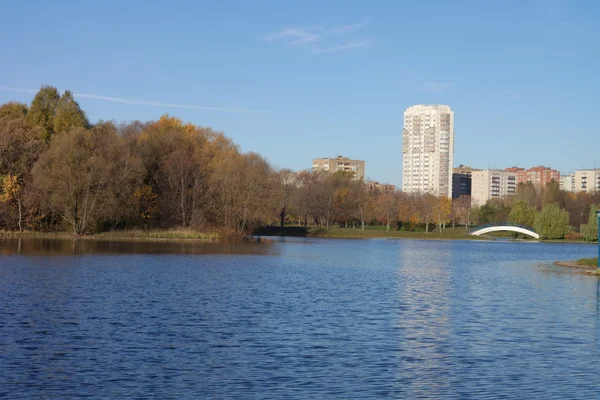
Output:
x,y
552,222
590,230
68,114
43,110
522,214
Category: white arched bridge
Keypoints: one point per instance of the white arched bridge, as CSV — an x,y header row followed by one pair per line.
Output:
x,y
500,228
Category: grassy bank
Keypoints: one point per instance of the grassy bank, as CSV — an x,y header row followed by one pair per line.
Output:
x,y
588,262
169,234
369,232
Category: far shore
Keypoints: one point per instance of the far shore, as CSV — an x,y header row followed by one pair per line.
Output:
x,y
182,234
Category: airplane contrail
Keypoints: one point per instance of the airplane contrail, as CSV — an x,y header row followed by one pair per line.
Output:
x,y
140,102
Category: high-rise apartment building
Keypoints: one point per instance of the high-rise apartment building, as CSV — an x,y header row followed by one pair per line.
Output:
x,y
539,176
333,165
428,148
587,180
492,184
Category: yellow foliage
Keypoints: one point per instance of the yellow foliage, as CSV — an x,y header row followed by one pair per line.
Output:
x,y
10,188
147,201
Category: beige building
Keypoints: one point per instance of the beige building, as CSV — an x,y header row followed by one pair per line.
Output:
x,y
333,165
587,180
567,183
383,187
492,184
428,148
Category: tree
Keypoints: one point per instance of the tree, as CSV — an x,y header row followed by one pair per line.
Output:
x,y
522,214
20,147
87,175
365,201
13,110
285,180
43,110
527,192
590,230
387,205
305,195
444,209
11,192
245,183
552,222
551,193
68,114
461,210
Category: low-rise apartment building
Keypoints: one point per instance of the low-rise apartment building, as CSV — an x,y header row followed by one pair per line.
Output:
x,y
539,176
492,184
340,163
587,180
461,181
567,183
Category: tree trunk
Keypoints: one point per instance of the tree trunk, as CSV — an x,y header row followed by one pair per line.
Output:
x,y
426,226
363,225
282,217
20,216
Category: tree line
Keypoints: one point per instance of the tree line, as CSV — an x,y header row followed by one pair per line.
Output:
x,y
60,172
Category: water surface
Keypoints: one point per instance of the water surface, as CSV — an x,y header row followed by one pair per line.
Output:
x,y
300,318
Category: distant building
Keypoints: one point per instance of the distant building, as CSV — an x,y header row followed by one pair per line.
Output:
x,y
428,148
333,165
461,181
384,187
539,176
587,180
492,184
567,183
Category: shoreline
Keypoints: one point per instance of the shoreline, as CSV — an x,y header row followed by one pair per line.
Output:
x,y
214,237
582,269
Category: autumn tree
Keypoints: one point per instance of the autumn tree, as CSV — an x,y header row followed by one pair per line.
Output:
x,y
20,147
443,210
86,175
284,190
244,184
305,198
387,207
550,193
528,193
461,211
365,201
43,110
68,114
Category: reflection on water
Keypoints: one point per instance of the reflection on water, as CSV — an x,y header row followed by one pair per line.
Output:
x,y
63,247
297,318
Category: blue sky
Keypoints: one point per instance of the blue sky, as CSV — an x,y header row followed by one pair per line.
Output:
x,y
299,80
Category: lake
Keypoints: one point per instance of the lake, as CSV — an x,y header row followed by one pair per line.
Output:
x,y
298,319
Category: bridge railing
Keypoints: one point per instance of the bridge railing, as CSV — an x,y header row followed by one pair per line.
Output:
x,y
476,228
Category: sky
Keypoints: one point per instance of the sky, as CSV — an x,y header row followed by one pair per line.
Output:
x,y
294,81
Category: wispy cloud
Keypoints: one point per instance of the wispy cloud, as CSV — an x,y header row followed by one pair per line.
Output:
x,y
346,46
321,40
436,86
139,102
510,94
